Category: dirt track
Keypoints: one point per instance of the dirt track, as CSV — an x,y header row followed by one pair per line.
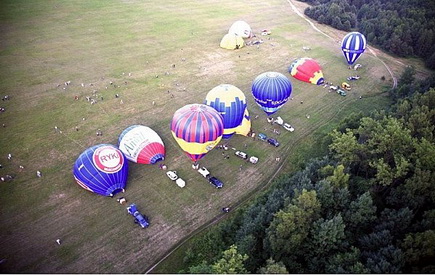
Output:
x,y
264,186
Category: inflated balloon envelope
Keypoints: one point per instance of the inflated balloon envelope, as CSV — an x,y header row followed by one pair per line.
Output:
x,y
353,45
271,90
245,127
197,128
307,70
101,169
232,41
230,102
241,28
141,144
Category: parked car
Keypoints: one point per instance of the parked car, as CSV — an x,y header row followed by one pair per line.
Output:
x,y
173,176
273,141
215,182
241,154
253,160
288,127
262,136
279,121
345,85
141,220
341,92
204,172
353,77
180,182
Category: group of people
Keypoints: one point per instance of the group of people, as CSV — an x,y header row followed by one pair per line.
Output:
x,y
9,177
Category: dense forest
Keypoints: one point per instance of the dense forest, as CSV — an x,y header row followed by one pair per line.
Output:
x,y
401,27
368,206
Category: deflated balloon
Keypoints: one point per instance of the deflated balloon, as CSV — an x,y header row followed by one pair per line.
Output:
x,y
308,70
101,169
241,28
141,144
232,41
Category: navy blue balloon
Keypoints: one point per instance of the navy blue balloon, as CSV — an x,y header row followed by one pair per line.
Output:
x,y
102,169
271,91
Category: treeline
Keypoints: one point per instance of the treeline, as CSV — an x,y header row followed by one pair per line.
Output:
x,y
401,27
366,207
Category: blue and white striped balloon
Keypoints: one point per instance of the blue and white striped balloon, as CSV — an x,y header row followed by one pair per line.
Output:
x,y
353,45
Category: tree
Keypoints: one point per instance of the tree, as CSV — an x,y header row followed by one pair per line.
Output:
x,y
333,200
346,262
345,147
408,76
290,227
430,61
403,28
339,179
231,262
396,221
273,267
387,259
360,214
327,235
419,252
366,207
326,238
202,268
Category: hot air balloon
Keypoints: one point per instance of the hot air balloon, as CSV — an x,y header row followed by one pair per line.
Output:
x,y
101,169
353,45
271,91
197,128
241,28
232,41
230,102
244,128
308,70
141,144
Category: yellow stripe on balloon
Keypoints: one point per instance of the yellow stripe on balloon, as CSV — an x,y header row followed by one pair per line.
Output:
x,y
316,77
230,131
244,128
226,94
195,148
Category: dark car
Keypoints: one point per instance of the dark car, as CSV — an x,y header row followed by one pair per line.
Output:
x,y
262,136
215,182
273,141
138,217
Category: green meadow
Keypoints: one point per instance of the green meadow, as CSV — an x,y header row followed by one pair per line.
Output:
x,y
165,52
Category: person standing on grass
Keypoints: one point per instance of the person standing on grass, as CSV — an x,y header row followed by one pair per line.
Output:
x,y
38,174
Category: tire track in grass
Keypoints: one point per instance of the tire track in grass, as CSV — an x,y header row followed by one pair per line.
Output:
x,y
250,195
290,144
320,31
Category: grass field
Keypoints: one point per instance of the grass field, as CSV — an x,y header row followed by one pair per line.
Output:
x,y
130,43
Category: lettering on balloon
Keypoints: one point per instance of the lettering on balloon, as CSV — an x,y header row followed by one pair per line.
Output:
x,y
108,159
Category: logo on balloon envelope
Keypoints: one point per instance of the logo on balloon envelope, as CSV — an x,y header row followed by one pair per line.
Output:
x,y
108,159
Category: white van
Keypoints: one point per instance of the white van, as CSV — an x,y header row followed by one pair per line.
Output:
x,y
204,172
